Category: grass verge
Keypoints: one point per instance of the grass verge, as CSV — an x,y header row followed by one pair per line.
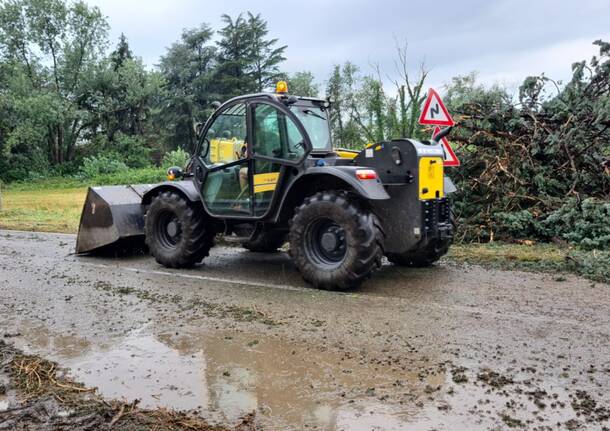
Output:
x,y
551,258
55,204
44,210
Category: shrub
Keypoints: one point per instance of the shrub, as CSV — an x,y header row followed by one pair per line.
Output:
x,y
20,167
519,224
591,264
101,164
133,151
130,176
177,157
127,176
586,223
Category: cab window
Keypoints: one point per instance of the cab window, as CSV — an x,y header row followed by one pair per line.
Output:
x,y
276,135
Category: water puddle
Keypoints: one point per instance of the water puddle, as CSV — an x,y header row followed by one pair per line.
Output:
x,y
229,374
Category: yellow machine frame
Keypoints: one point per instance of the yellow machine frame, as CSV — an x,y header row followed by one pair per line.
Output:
x,y
431,178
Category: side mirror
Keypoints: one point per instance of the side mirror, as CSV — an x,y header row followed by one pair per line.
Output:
x,y
205,147
440,135
198,129
215,105
174,172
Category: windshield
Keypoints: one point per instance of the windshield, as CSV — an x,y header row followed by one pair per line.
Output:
x,y
315,121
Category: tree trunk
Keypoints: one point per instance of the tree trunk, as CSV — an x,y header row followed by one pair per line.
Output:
x,y
60,144
53,155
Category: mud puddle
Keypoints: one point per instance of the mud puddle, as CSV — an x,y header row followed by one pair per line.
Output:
x,y
226,375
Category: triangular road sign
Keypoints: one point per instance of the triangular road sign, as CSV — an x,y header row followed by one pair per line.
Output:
x,y
434,111
450,157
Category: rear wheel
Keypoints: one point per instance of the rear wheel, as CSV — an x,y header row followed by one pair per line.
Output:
x,y
176,234
334,242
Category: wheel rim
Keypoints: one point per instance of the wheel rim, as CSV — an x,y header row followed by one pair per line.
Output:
x,y
168,229
325,243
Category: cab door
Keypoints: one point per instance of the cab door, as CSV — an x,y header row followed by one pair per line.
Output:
x,y
243,155
223,162
279,141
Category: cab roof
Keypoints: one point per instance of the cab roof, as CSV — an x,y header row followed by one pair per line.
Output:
x,y
280,98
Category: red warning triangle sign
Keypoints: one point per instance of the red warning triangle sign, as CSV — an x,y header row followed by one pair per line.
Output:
x,y
450,157
434,111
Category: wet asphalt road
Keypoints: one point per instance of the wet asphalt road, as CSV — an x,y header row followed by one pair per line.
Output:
x,y
449,347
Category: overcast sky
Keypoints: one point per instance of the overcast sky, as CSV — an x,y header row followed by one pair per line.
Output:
x,y
503,40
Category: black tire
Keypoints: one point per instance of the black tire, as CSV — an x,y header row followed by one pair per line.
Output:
x,y
423,258
175,230
265,241
334,242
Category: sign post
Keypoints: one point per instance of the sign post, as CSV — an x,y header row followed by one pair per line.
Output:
x,y
435,113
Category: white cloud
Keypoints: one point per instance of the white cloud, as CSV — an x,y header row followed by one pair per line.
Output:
x,y
509,69
505,40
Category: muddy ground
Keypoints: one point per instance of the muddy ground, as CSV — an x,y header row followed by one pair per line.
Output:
x,y
444,348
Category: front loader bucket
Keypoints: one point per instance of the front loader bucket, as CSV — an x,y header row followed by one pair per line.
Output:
x,y
110,215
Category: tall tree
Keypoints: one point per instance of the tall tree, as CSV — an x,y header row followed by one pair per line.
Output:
x,y
410,96
334,93
363,103
56,45
247,60
234,58
190,70
264,55
121,53
303,84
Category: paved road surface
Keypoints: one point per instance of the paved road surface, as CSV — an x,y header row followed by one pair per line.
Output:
x,y
449,347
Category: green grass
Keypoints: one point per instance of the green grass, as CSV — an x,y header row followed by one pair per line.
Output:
x,y
517,255
45,209
55,204
551,258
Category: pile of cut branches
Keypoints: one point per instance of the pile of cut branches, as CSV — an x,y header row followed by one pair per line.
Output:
x,y
525,160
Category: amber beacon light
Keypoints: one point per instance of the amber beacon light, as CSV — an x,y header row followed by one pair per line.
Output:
x,y
281,87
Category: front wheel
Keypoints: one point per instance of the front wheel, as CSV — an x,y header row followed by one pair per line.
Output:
x,y
334,242
176,234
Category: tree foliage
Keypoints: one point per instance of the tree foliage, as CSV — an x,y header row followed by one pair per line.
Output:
x,y
50,50
189,68
303,83
247,60
363,110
